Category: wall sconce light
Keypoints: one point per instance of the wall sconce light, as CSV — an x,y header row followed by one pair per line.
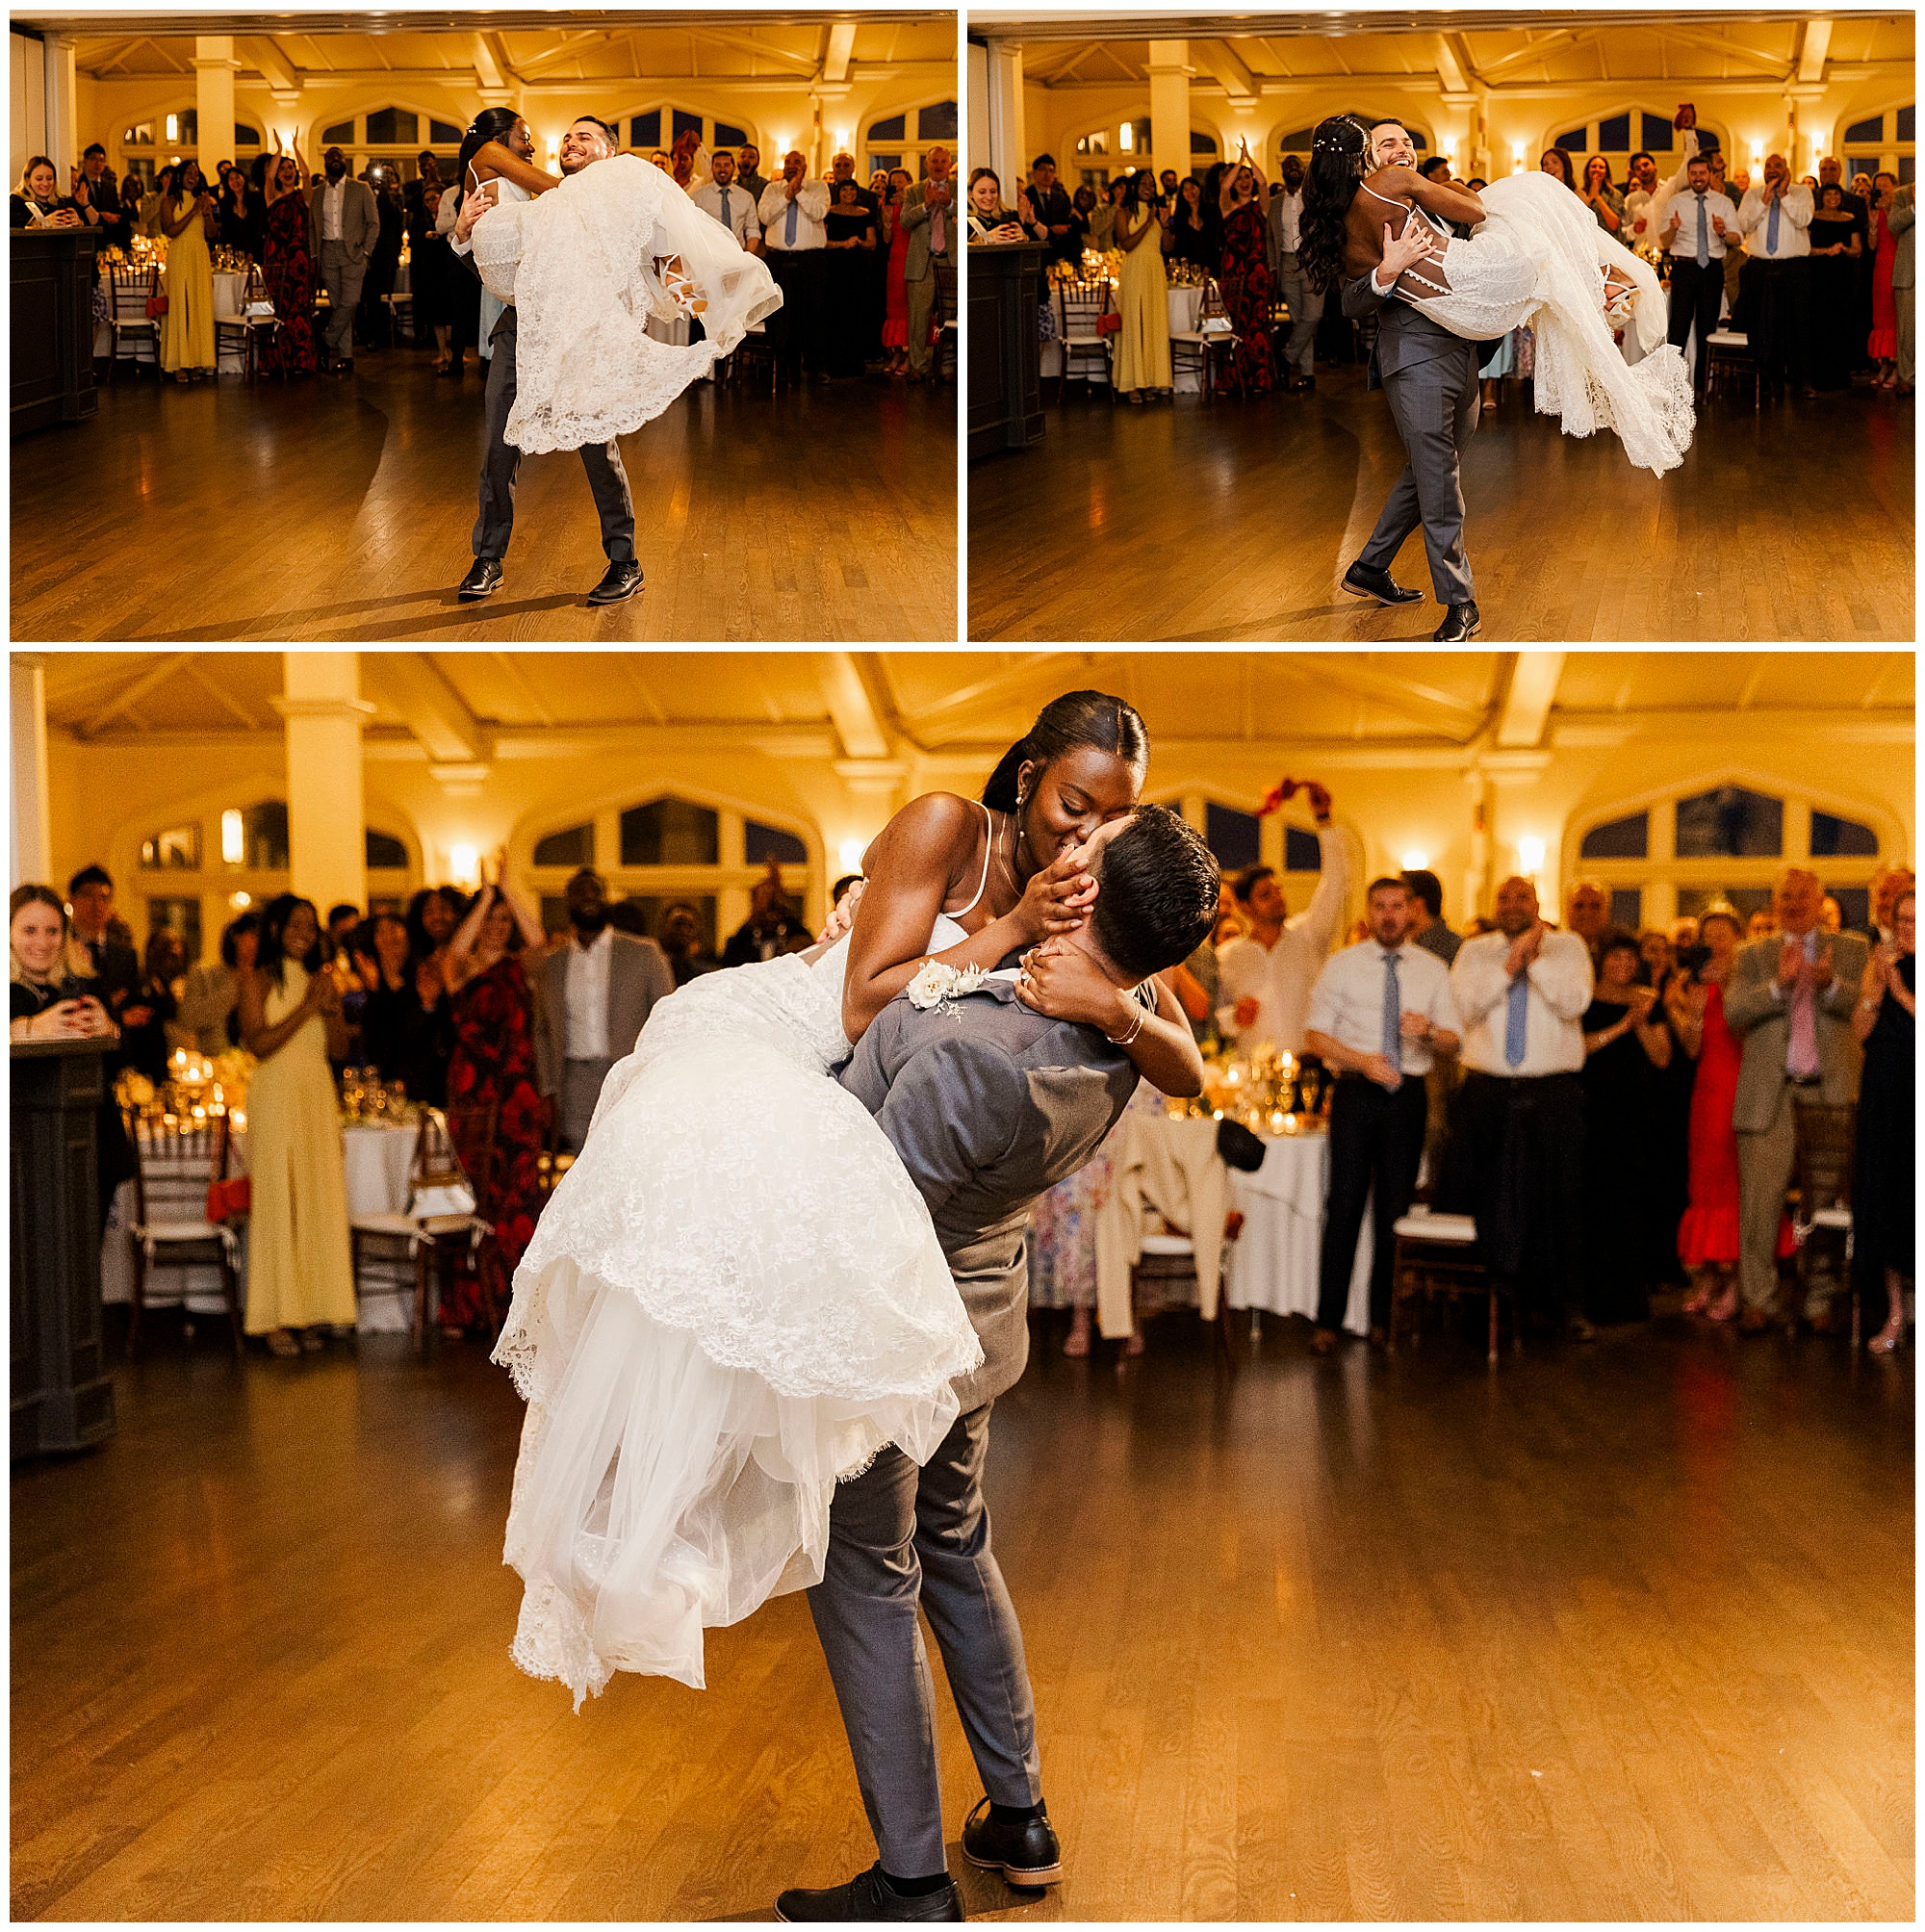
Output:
x,y
1414,861
1516,157
1127,138
239,902
849,854
465,863
232,848
1531,856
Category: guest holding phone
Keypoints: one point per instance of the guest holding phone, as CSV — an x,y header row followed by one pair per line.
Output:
x,y
988,220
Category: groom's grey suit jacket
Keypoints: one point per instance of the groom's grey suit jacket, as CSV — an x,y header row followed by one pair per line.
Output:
x,y
989,1104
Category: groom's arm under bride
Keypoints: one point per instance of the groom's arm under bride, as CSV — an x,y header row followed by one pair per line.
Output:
x,y
1368,293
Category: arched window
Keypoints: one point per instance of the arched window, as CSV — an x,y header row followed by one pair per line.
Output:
x,y
573,846
902,140
1883,141
394,136
174,134
383,852
1630,131
658,127
175,850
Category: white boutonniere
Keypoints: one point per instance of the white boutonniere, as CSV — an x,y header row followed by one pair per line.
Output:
x,y
933,989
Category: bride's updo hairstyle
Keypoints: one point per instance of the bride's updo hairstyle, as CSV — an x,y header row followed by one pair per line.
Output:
x,y
1340,157
490,124
1075,721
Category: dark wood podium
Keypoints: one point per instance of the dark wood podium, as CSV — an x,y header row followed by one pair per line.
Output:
x,y
53,328
1005,351
63,1398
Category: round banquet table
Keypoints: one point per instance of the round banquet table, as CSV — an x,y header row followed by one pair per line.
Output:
x,y
376,1161
230,290
1183,305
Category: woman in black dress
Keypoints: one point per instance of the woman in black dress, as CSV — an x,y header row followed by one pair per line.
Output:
x,y
1883,1192
155,1005
1625,1049
433,271
1838,247
1188,241
852,240
240,213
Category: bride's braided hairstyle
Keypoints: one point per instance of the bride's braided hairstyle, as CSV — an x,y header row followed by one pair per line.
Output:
x,y
1340,157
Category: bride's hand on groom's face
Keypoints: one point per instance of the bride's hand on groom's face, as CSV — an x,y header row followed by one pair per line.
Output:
x,y
1059,898
1063,983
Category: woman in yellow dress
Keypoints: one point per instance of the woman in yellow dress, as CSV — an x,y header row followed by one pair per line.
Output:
x,y
187,330
1142,344
300,1276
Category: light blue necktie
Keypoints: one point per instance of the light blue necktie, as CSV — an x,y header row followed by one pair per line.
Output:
x,y
726,222
1771,231
788,227
1518,998
1703,236
1393,1017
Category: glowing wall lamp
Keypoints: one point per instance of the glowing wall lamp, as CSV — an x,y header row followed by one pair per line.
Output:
x,y
1531,857
850,852
1414,861
233,848
465,863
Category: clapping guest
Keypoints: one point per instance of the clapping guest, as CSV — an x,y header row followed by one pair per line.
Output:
x,y
850,231
97,196
1884,1189
791,213
1188,241
1904,286
243,211
1837,238
1775,218
299,1273
1143,342
929,213
493,1066
1054,213
1708,1233
895,291
1598,194
1103,221
187,330
212,991
1882,345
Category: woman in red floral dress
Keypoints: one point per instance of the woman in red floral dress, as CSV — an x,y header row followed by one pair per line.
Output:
x,y
1244,279
287,268
494,1059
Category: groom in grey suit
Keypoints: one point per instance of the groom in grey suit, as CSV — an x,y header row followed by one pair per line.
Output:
x,y
1429,378
989,1104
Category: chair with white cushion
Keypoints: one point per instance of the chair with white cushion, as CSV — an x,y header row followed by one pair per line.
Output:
x,y
1825,1151
1169,1256
1084,305
1436,1254
172,1172
1733,359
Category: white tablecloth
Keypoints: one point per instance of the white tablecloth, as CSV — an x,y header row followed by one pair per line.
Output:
x,y
229,291
1273,1261
1183,305
376,1161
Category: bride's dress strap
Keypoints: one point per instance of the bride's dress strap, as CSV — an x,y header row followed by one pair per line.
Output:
x,y
989,853
1408,207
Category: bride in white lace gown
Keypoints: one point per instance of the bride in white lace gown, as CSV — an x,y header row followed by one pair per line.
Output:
x,y
1536,258
735,1296
587,258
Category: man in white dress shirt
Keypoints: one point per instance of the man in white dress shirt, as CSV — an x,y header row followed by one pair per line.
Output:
x,y
1775,218
1283,234
1641,181
1521,994
1265,977
791,215
1379,1013
1691,221
730,204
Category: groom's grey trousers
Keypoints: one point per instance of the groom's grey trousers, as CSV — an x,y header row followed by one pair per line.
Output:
x,y
1429,378
898,1534
602,461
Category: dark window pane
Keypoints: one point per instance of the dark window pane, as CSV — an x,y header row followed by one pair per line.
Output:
x,y
1614,135
937,122
1574,142
1656,133
177,916
392,124
650,909
385,851
140,135
337,136
762,842
1302,851
644,129
575,846
443,134
669,832
684,122
1744,900
890,161
246,135
1232,836
1834,838
263,836
1906,165
1872,130
175,850
1627,906
729,134
1731,823
894,128
1908,123
1419,140
1854,906
1621,839
1300,141
1201,142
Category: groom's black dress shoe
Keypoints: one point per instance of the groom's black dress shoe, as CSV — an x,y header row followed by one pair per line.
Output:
x,y
869,1899
1025,1854
1361,579
484,576
1460,623
619,581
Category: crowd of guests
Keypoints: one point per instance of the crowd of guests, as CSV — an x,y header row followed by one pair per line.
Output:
x,y
1817,273
1617,1110
860,265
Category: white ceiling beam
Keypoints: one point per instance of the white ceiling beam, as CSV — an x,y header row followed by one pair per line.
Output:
x,y
271,59
1533,684
224,698
1220,59
1421,702
1450,70
149,679
850,709
841,44
430,706
720,37
1814,44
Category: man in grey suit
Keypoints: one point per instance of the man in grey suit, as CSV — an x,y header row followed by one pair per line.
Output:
x,y
591,1001
929,219
989,1104
1791,1000
343,226
1429,378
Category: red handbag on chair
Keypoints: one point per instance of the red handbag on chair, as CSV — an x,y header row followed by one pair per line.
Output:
x,y
228,1199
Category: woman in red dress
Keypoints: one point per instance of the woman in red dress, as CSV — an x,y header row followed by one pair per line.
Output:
x,y
1248,293
494,1059
1708,1236
1882,348
895,306
286,266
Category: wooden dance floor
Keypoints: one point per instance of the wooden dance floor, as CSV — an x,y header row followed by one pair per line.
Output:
x,y
1224,521
339,509
1618,1632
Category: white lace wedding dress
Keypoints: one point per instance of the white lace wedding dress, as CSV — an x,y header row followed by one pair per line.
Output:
x,y
734,1300
579,264
1538,261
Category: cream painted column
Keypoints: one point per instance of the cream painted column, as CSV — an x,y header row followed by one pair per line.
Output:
x,y
327,827
214,70
1478,884
61,106
1170,105
1008,154
31,856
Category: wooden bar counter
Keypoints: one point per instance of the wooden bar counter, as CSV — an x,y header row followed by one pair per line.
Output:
x,y
1005,353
